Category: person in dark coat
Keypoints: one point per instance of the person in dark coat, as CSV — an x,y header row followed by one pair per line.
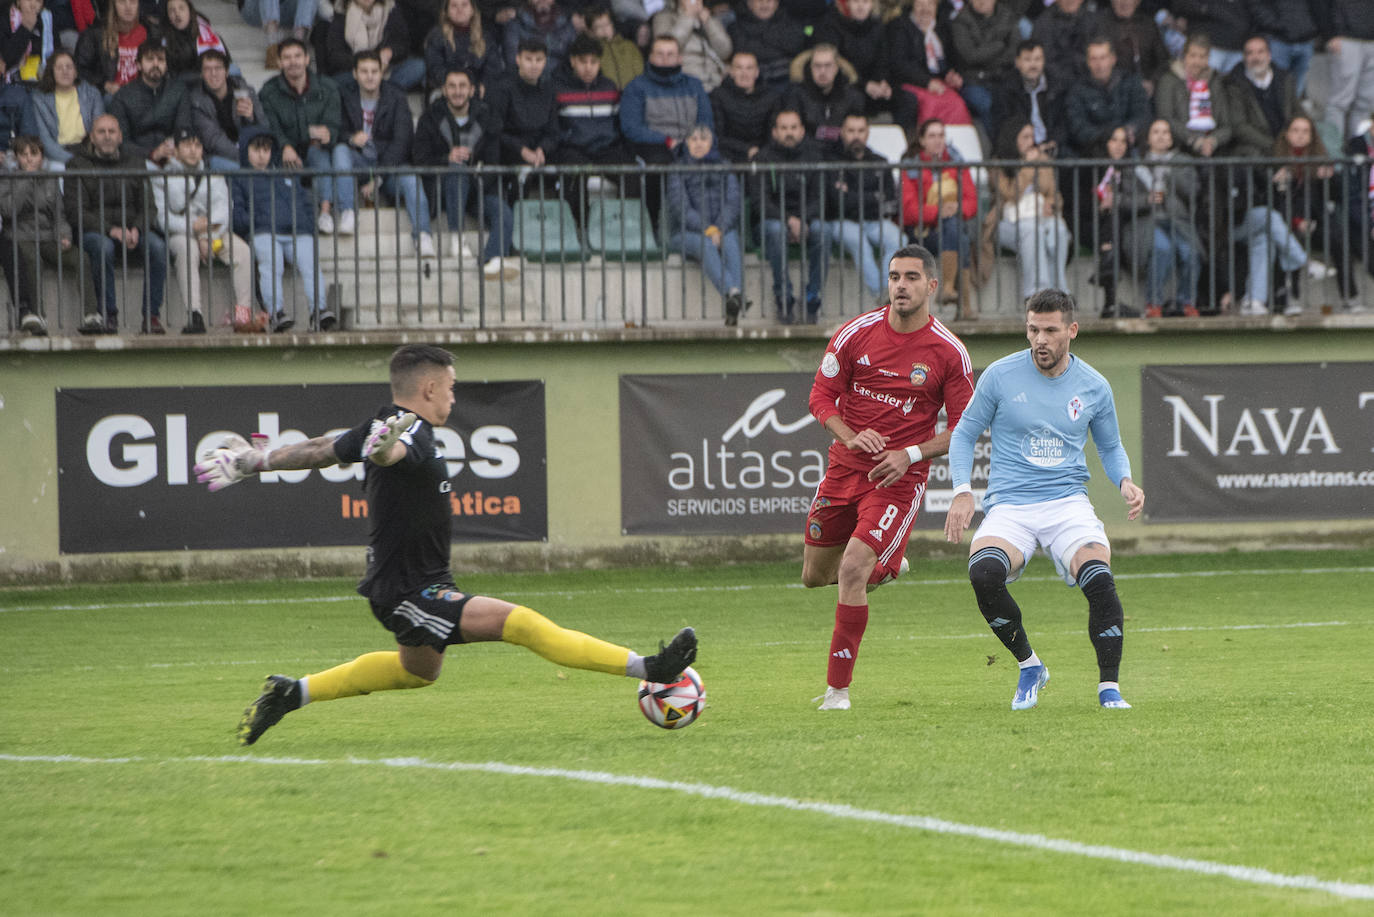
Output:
x,y
791,207
704,209
742,109
110,213
857,34
772,35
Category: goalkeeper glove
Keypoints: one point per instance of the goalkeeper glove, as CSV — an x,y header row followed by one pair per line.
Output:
x,y
384,433
234,460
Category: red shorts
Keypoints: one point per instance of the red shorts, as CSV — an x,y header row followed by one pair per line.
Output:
x,y
848,505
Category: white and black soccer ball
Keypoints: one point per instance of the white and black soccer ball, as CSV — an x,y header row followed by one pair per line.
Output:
x,y
673,706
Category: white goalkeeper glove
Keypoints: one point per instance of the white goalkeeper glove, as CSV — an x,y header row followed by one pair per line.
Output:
x,y
232,461
384,433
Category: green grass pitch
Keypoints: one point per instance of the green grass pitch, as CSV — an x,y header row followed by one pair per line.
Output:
x,y
514,787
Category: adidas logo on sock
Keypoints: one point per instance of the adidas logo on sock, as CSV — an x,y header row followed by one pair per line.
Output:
x,y
998,622
1112,631
843,654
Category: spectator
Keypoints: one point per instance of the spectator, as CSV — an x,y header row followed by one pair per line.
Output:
x,y
857,34
742,109
704,218
304,113
1226,23
1107,98
938,201
1308,196
371,25
1029,208
187,35
109,213
659,109
27,39
542,21
632,20
1263,98
1266,234
1063,31
524,113
985,37
459,42
791,207
1351,47
107,56
862,206
621,59
588,117
705,44
453,132
35,227
1117,205
1192,98
1028,95
823,93
1160,224
147,107
63,109
270,14
918,50
273,210
772,36
1291,29
419,17
218,108
1134,38
377,134
1360,206
195,210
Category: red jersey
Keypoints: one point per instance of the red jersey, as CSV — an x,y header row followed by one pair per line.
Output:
x,y
874,377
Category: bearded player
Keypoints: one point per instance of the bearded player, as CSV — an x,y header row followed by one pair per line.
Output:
x,y
879,390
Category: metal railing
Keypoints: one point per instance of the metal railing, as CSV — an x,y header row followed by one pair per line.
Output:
x,y
602,256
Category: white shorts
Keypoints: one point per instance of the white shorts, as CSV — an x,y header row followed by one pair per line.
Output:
x,y
1060,526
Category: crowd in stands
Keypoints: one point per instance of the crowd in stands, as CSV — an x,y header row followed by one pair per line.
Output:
x,y
1153,91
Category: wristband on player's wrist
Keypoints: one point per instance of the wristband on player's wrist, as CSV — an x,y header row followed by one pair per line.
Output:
x,y
913,453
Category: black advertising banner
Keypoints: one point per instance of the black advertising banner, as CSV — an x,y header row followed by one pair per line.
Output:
x,y
125,460
1258,441
736,454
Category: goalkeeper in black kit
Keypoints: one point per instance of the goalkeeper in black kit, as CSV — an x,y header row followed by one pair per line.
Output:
x,y
408,581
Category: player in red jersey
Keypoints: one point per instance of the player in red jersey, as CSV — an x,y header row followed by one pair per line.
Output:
x,y
879,390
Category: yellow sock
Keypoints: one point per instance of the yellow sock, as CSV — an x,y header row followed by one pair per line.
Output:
x,y
367,673
528,628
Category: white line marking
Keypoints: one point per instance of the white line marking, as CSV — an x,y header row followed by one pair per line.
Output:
x,y
1250,874
909,581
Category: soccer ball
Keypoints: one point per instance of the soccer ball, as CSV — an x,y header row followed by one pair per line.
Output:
x,y
673,706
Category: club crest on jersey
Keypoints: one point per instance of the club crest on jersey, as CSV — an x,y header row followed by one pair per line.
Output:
x,y
813,529
919,372
830,366
1074,407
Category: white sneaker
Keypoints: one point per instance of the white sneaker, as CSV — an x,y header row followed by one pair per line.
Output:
x,y
500,269
347,223
1293,308
325,223
902,570
458,248
833,699
1319,270
1352,306
1250,306
425,246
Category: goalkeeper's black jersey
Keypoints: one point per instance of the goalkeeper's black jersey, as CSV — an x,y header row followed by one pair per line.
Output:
x,y
410,518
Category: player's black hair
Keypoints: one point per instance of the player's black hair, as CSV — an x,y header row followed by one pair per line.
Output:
x,y
1046,301
410,361
916,251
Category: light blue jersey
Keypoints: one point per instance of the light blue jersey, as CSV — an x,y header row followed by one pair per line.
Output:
x,y
1039,427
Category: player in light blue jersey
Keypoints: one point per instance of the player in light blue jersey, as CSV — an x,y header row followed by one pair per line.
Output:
x,y
1040,405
